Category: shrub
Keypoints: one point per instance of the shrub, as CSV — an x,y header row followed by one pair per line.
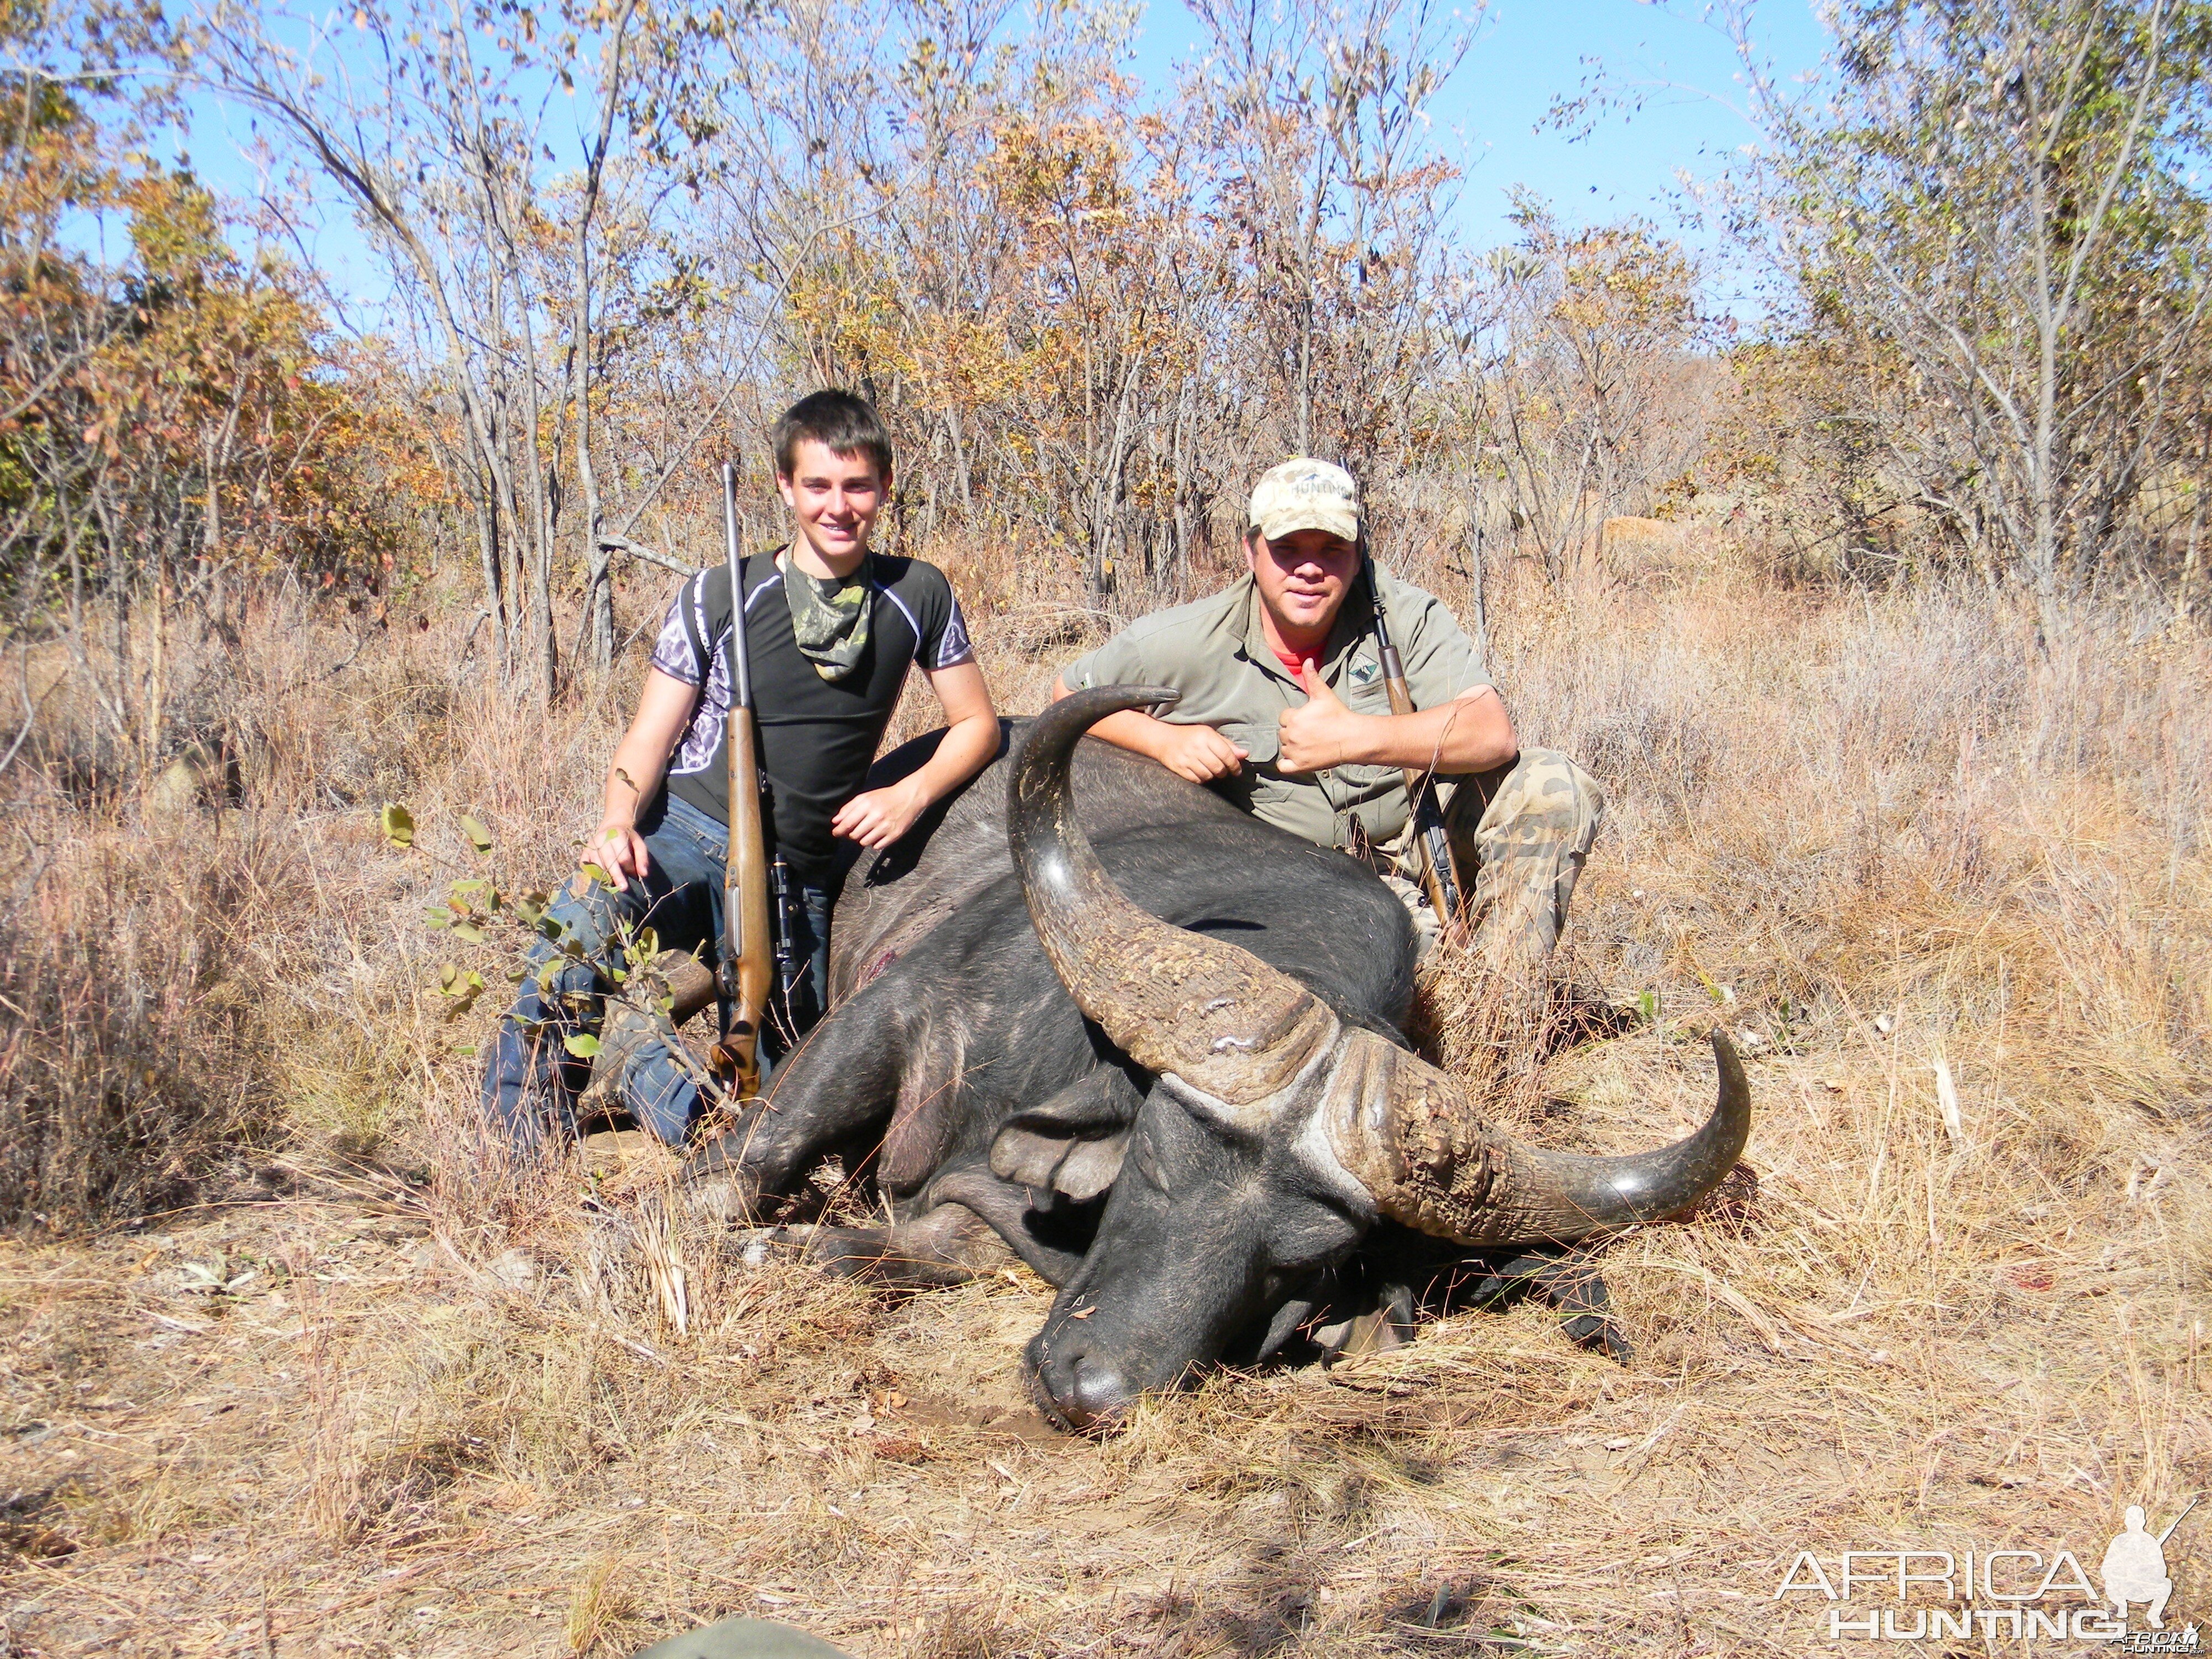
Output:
x,y
133,1057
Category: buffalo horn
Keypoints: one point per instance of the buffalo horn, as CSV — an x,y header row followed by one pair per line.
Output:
x,y
1207,1011
1420,1145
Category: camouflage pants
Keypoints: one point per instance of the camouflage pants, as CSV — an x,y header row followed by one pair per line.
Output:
x,y
1520,836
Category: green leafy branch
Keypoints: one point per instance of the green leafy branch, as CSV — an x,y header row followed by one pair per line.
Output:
x,y
474,904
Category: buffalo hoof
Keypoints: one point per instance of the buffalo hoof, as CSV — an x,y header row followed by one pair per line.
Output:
x,y
718,1186
1569,1280
840,1252
906,1258
761,1246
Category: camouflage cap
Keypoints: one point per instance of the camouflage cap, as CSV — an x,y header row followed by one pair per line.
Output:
x,y
1303,493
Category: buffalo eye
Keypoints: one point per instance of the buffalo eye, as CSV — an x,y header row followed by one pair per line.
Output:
x,y
1314,1233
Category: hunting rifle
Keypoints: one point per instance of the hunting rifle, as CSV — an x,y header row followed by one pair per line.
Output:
x,y
741,986
1439,876
2176,1522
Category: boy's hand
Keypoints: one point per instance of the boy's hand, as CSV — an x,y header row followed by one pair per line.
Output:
x,y
1199,753
880,817
619,850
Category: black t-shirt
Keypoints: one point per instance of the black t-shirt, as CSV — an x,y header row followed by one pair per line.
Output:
x,y
816,737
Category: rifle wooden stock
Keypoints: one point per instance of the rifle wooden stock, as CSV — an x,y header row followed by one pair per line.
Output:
x,y
749,947
748,944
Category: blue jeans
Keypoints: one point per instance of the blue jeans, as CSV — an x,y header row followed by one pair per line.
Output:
x,y
531,1080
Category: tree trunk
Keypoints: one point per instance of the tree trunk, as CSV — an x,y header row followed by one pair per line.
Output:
x,y
599,592
484,503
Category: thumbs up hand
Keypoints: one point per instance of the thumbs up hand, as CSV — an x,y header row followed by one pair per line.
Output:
x,y
1323,733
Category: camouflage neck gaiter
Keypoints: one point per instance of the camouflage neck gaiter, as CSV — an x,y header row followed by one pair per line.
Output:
x,y
830,619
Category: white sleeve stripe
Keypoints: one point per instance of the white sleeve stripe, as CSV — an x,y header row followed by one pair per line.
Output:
x,y
699,626
908,614
751,599
953,645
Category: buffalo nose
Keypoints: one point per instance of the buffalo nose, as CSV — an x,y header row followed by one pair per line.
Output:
x,y
1080,1387
1093,1392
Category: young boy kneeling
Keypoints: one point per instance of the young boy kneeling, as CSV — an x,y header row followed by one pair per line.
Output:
x,y
830,629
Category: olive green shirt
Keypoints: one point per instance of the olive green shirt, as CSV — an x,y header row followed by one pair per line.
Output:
x,y
1215,652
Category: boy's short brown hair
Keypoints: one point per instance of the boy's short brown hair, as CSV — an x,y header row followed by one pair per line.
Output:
x,y
844,423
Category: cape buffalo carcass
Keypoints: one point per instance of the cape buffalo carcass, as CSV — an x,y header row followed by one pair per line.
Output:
x,y
1157,1053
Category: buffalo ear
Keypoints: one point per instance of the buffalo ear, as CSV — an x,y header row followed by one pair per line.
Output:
x,y
1078,1167
1026,1157
1071,1141
1091,1168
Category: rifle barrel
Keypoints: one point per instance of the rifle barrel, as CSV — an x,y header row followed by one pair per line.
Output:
x,y
747,932
2177,1521
741,658
1438,876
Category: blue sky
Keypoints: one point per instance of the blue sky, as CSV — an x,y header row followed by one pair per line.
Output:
x,y
1528,53
1493,114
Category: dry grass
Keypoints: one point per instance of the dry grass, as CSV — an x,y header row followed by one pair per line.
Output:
x,y
416,1403
133,1059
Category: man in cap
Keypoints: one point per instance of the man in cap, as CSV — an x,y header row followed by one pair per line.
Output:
x,y
1284,711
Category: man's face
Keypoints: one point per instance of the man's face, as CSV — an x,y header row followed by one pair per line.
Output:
x,y
836,499
1303,578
